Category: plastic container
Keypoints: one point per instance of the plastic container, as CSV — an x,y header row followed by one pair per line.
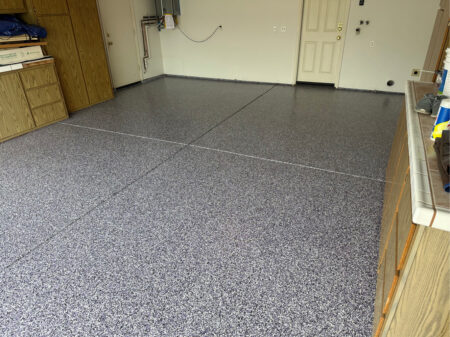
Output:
x,y
442,119
445,85
444,88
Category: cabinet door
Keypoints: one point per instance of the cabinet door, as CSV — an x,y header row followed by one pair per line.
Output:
x,y
405,226
91,48
62,46
390,206
12,6
379,297
390,275
423,308
15,116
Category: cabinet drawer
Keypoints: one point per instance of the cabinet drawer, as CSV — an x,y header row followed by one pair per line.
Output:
x,y
49,113
44,95
38,76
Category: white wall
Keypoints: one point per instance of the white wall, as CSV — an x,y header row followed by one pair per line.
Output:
x,y
401,31
155,64
246,49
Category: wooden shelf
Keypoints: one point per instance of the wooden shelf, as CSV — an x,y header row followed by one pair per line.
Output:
x,y
22,44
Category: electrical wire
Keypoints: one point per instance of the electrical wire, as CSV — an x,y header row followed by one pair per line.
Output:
x,y
200,41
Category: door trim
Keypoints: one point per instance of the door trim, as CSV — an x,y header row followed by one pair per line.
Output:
x,y
299,37
136,40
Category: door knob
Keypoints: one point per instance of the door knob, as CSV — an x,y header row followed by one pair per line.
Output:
x,y
338,37
110,43
339,29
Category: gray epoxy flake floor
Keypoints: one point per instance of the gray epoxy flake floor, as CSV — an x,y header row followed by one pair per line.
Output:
x,y
189,207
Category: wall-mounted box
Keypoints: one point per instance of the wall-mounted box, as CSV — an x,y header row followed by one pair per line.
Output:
x,y
167,7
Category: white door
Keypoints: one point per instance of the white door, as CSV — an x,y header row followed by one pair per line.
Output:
x,y
322,40
120,36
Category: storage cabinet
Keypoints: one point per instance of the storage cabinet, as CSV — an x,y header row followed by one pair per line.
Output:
x,y
30,98
91,50
75,40
413,293
12,6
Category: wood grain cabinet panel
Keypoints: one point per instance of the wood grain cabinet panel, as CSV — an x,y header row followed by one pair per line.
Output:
x,y
50,7
396,146
43,95
49,113
379,295
15,116
12,6
396,149
405,227
396,190
91,49
391,267
38,76
426,290
61,45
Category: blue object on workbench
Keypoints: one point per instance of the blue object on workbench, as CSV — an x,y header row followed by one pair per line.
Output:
x,y
12,26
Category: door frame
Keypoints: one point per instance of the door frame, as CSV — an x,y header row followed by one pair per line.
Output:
x,y
299,39
136,40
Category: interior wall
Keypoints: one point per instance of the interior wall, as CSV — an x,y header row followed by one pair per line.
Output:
x,y
155,63
395,42
247,48
252,47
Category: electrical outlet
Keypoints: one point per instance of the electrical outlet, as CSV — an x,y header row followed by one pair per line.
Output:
x,y
275,28
415,72
372,44
283,29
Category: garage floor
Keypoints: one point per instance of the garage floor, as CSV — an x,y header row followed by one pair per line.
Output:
x,y
197,208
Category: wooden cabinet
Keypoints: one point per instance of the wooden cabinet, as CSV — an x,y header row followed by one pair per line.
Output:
x,y
91,50
12,6
75,40
413,293
29,98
